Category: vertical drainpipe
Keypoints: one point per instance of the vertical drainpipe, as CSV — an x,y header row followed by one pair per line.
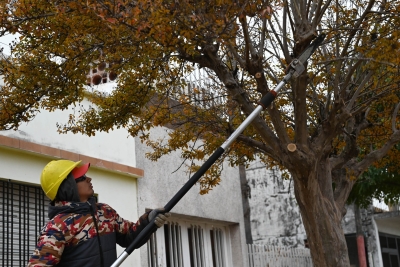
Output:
x,y
362,260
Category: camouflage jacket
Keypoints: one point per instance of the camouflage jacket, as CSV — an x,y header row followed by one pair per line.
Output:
x,y
71,238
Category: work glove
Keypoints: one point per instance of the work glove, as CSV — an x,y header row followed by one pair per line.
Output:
x,y
160,216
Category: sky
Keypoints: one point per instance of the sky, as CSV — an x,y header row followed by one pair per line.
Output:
x,y
5,41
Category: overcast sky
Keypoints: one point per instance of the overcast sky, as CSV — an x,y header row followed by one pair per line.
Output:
x,y
5,41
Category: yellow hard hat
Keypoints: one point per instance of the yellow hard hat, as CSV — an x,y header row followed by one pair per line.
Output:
x,y
53,174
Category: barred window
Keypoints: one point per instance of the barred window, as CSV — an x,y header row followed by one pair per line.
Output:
x,y
217,247
187,243
173,244
23,212
173,247
152,258
196,246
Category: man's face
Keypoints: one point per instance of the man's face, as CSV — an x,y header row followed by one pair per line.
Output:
x,y
85,187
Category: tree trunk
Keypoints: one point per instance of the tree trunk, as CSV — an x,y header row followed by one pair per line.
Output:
x,y
245,202
321,217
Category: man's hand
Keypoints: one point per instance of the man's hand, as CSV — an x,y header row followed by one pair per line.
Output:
x,y
160,216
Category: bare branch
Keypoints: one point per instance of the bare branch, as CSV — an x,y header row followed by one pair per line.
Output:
x,y
236,55
261,147
278,124
376,155
320,11
357,25
360,87
352,58
283,43
248,43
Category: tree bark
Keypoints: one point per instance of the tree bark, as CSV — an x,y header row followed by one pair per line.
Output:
x,y
246,205
321,217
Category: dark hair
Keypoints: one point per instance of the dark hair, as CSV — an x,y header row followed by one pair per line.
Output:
x,y
68,191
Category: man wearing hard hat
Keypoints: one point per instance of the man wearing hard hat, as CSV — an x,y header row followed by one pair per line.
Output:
x,y
80,231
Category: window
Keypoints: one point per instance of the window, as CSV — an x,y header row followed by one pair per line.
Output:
x,y
390,246
152,251
23,212
351,241
196,246
173,244
217,247
190,243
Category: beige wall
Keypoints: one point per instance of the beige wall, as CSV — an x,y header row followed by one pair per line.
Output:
x,y
116,184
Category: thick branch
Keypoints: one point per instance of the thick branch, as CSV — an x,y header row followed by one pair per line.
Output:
x,y
376,155
343,186
247,40
212,61
279,127
262,147
300,110
236,55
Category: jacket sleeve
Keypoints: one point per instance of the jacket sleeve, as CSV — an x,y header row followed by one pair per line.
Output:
x,y
127,231
49,247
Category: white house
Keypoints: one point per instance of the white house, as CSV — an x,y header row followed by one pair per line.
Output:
x,y
204,230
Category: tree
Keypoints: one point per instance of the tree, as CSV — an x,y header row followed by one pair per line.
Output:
x,y
340,113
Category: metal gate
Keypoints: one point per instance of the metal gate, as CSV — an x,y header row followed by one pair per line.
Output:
x,y
23,212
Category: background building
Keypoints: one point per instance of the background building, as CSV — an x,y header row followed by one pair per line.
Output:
x,y
276,220
205,229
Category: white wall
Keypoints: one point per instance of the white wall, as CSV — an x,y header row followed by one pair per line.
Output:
x,y
274,212
223,204
389,225
116,146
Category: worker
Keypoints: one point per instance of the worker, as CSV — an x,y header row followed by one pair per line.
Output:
x,y
80,231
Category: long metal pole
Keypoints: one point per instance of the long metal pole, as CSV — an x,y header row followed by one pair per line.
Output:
x,y
296,67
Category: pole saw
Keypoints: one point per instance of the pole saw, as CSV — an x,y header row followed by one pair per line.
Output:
x,y
296,67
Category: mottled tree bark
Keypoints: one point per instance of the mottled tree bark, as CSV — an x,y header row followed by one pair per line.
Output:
x,y
322,218
246,205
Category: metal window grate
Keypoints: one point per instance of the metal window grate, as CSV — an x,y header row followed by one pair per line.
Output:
x,y
217,247
23,212
152,258
196,246
173,244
